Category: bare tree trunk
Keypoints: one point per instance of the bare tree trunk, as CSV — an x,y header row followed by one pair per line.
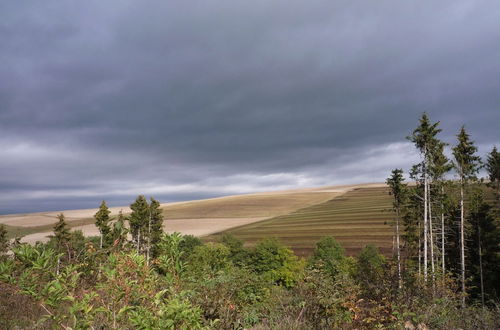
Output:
x,y
419,252
149,239
426,224
400,282
431,238
101,242
443,266
462,241
139,242
480,262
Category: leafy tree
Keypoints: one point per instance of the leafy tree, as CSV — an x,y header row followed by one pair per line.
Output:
x,y
370,270
399,193
102,222
238,254
188,244
276,262
330,256
467,164
139,220
119,231
209,259
155,230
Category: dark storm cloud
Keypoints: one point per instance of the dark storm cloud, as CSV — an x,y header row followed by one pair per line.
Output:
x,y
108,99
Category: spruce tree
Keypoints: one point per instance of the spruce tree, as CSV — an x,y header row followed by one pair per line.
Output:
x,y
61,238
439,166
102,222
493,169
155,227
467,164
139,220
399,193
4,241
424,138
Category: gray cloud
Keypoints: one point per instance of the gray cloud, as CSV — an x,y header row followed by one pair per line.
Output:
x,y
188,100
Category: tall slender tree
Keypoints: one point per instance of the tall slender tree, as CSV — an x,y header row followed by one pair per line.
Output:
x,y
467,164
102,222
155,227
424,138
61,238
399,193
139,220
440,165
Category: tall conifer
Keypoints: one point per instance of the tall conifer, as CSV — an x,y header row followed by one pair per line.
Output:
x,y
467,164
139,220
424,138
398,191
156,227
102,222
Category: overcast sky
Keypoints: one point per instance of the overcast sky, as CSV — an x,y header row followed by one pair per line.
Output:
x,y
192,99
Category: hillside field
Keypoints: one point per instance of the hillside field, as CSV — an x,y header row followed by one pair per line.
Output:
x,y
357,218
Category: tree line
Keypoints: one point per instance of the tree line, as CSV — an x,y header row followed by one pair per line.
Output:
x,y
444,225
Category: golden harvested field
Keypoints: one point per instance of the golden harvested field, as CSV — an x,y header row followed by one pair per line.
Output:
x,y
199,218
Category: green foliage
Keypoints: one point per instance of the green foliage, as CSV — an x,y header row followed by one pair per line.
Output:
x,y
61,235
171,258
119,232
370,270
188,244
139,219
276,262
466,162
155,230
237,253
209,259
4,241
102,223
329,256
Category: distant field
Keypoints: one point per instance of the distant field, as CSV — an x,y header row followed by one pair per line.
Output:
x,y
258,205
199,218
357,218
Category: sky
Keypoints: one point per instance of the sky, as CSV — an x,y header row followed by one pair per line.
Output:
x,y
184,100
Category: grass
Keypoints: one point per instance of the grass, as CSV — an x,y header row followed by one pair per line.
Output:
x,y
355,219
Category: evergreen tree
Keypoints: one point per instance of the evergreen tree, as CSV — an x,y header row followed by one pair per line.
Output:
x,y
102,222
424,138
493,169
484,250
399,193
155,230
467,164
139,220
4,241
61,238
440,165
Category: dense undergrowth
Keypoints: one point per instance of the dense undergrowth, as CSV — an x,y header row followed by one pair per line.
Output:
x,y
222,285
